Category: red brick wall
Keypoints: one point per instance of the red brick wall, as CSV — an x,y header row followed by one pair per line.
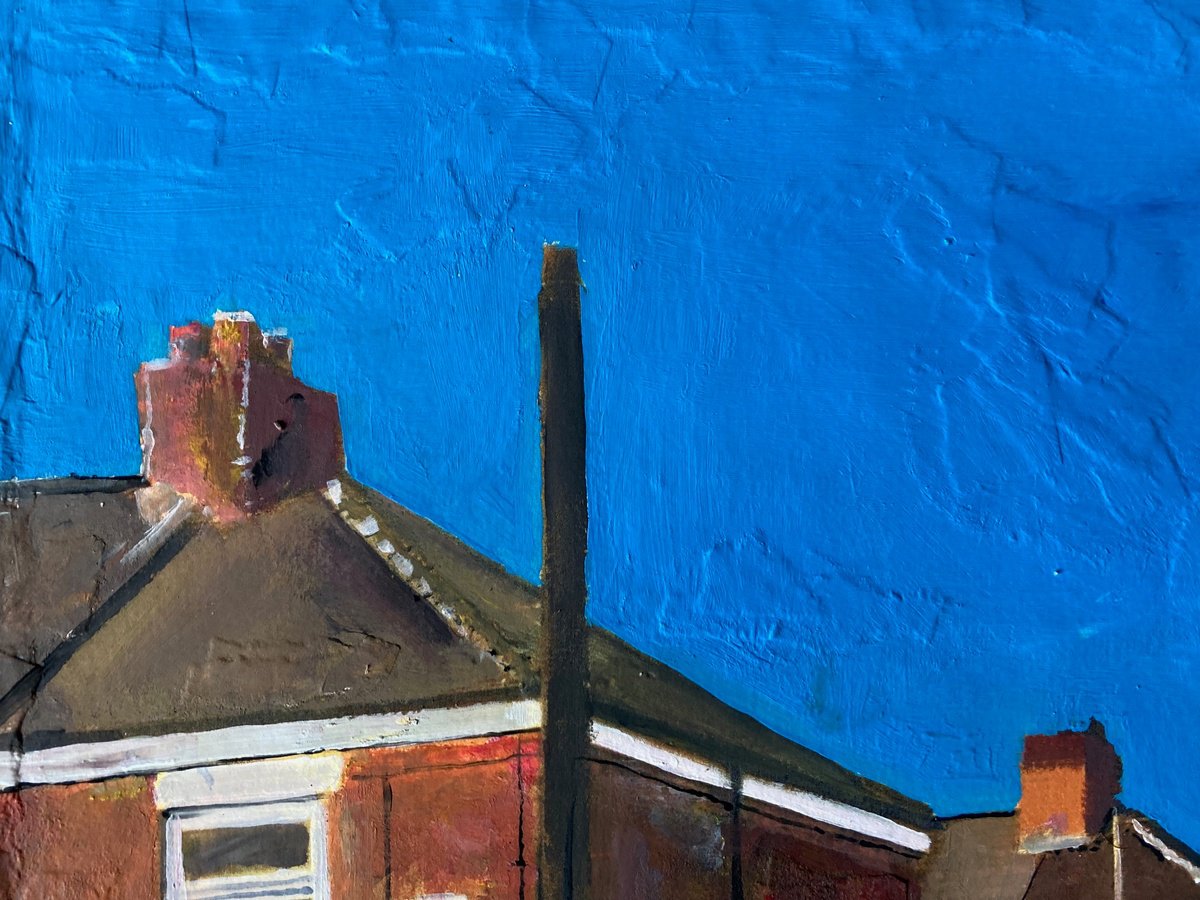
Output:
x,y
783,860
460,817
80,842
441,818
652,837
649,839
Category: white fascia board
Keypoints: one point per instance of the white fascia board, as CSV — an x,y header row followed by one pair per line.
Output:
x,y
238,784
840,815
1151,840
631,746
170,752
811,806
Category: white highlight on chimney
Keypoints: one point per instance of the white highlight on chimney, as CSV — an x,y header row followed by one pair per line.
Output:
x,y
240,315
147,429
241,435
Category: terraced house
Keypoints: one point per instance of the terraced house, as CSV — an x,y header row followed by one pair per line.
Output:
x,y
244,674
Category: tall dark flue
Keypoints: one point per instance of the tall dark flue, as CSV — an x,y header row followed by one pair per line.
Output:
x,y
563,856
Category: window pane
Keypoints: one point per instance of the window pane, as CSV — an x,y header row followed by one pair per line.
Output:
x,y
237,851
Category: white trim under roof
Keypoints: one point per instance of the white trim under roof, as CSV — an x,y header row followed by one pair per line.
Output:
x,y
169,752
662,758
1151,840
172,752
831,812
811,806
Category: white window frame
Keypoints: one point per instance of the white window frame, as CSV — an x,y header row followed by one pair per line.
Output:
x,y
244,795
310,813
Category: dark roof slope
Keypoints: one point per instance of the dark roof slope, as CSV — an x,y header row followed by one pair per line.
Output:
x,y
628,687
54,544
284,616
350,603
65,546
977,857
632,689
499,610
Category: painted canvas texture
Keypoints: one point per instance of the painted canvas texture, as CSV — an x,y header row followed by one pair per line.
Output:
x,y
616,450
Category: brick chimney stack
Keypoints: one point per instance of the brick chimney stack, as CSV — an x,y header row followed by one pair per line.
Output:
x,y
224,420
1069,783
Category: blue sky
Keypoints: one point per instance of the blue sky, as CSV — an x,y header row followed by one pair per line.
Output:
x,y
890,322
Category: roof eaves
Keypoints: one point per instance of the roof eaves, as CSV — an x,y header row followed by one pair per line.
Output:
x,y
361,518
1166,845
663,704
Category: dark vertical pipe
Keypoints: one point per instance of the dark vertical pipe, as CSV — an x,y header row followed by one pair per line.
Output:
x,y
387,837
736,888
563,861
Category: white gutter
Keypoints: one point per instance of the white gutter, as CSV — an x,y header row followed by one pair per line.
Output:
x,y
168,752
811,806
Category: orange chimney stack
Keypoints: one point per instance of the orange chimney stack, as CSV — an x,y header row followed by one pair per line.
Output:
x,y
1069,782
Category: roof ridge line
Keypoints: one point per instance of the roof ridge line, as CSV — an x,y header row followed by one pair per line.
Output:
x,y
405,568
14,489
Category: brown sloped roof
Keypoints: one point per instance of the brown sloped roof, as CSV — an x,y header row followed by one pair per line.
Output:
x,y
627,687
350,603
284,616
66,546
56,538
977,857
501,611
637,691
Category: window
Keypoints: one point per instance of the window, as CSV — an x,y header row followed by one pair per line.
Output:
x,y
231,849
225,853
248,830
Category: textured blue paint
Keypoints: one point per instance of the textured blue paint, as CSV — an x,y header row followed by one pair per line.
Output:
x,y
890,322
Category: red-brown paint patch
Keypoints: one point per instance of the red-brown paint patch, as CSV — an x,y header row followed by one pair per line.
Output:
x,y
82,841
